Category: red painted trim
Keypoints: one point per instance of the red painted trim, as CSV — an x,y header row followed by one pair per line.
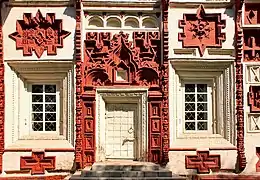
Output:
x,y
165,82
79,116
182,149
46,150
2,96
239,86
56,177
211,149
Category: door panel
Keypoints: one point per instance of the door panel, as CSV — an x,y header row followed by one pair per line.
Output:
x,y
120,131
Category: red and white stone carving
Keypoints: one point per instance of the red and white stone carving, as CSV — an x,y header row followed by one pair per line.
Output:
x,y
37,163
39,34
202,30
203,161
254,99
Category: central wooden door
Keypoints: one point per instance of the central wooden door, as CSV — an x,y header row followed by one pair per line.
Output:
x,y
120,131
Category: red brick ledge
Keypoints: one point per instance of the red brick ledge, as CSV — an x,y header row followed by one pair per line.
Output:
x,y
54,177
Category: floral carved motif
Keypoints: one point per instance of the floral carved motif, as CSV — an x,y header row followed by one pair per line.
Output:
x,y
39,34
202,30
106,55
37,163
203,162
254,99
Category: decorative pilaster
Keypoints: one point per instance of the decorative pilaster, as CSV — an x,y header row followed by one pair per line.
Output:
x,y
239,87
79,119
2,96
164,83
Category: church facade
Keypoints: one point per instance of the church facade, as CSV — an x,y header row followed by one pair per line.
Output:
x,y
174,82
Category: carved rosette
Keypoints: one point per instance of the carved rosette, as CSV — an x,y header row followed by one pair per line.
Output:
x,y
2,98
239,86
202,30
39,34
203,161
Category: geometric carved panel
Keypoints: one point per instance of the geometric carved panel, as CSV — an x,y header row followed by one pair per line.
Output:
x,y
254,99
251,45
39,34
37,163
252,14
202,30
253,122
258,162
253,74
203,162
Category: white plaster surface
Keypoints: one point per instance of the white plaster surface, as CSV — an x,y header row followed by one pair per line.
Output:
x,y
10,15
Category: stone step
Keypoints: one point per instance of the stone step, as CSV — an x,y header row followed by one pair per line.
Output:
x,y
129,166
122,173
78,177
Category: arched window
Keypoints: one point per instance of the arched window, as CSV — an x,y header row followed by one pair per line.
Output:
x,y
95,22
113,22
131,23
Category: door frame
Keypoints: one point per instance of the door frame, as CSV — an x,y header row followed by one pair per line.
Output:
x,y
138,96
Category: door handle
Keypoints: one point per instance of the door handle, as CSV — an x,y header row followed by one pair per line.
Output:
x,y
128,140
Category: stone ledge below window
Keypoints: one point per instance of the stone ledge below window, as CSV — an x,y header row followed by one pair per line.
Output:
x,y
40,144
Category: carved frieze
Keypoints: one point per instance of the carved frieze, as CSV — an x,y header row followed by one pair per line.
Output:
x,y
203,161
37,163
112,60
202,30
254,99
39,34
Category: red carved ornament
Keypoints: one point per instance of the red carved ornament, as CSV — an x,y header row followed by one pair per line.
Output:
x,y
2,97
37,163
254,99
251,45
39,34
203,162
252,15
239,86
258,162
105,55
202,30
79,115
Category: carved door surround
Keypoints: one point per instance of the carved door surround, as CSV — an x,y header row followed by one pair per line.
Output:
x,y
122,96
114,63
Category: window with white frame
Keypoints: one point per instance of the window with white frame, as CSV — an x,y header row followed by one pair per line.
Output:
x,y
197,107
45,116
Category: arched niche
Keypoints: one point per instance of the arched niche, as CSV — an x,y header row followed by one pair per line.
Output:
x,y
113,22
131,22
149,22
95,22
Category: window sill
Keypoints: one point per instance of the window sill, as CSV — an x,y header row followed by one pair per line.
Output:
x,y
205,135
40,144
42,136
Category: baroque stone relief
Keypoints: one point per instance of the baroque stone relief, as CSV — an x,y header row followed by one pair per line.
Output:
x,y
37,163
39,34
254,99
202,30
203,161
106,56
